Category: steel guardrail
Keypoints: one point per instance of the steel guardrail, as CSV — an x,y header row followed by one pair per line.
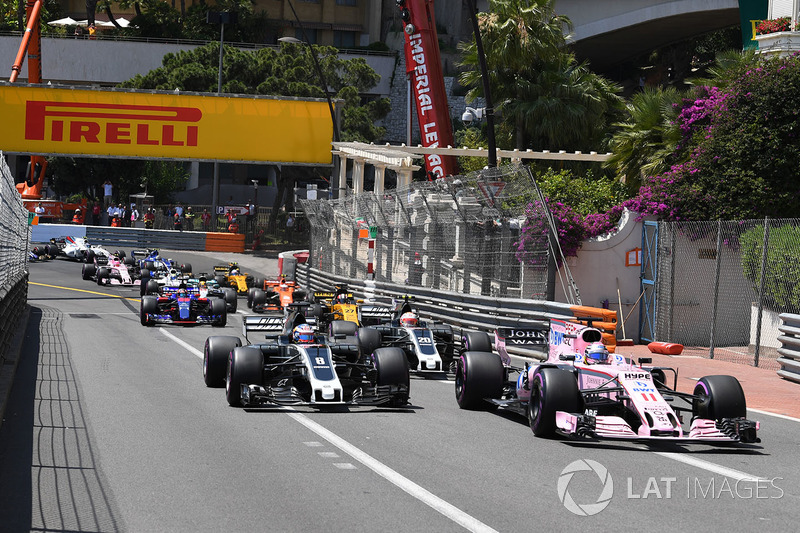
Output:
x,y
790,347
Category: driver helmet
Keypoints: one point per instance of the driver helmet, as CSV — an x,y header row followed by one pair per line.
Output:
x,y
303,334
409,320
596,353
341,298
173,274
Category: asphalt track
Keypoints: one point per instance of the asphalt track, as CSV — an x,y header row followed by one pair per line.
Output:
x,y
110,427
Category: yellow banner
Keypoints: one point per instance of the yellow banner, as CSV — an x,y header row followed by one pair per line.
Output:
x,y
63,121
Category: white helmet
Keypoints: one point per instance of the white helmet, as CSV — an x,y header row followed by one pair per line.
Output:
x,y
596,353
409,320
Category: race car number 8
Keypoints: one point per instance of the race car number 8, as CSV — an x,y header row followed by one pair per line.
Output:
x,y
319,361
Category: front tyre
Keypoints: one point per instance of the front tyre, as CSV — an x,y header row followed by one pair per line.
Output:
x,y
245,367
215,358
149,306
552,389
719,397
392,369
220,310
479,375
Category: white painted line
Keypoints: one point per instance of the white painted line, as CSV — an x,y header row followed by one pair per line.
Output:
x,y
711,467
450,511
313,444
785,417
328,455
345,466
185,344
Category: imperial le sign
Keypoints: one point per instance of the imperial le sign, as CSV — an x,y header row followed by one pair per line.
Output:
x,y
68,121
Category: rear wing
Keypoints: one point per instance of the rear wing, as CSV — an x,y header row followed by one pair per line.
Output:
x,y
222,268
535,339
374,312
142,253
270,325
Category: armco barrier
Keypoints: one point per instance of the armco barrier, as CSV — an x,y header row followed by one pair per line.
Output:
x,y
13,298
790,347
467,311
133,238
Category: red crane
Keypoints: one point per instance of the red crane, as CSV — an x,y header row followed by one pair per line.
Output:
x,y
424,66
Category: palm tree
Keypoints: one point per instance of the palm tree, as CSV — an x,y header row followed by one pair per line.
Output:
x,y
553,101
646,142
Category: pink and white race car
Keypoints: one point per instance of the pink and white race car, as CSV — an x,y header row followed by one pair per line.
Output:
x,y
112,270
582,390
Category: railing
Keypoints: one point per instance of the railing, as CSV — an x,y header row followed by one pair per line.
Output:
x,y
790,347
465,311
13,252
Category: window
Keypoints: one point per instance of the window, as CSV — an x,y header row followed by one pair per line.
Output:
x,y
311,34
344,39
345,2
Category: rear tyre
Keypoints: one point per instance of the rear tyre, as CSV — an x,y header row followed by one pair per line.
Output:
x,y
89,256
151,287
149,306
87,271
369,340
245,366
231,299
258,283
150,265
219,308
250,297
215,358
392,369
476,341
552,390
479,375
719,397
343,327
259,298
186,268
221,281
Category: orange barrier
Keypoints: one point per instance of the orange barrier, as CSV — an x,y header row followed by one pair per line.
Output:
x,y
224,242
605,321
666,348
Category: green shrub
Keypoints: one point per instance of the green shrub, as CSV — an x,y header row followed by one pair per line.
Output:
x,y
782,274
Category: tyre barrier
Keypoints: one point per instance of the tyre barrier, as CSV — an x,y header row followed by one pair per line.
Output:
x,y
790,347
468,311
13,299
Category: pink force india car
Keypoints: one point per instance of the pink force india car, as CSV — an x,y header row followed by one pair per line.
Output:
x,y
582,390
111,270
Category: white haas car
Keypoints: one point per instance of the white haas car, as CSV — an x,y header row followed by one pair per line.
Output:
x,y
582,390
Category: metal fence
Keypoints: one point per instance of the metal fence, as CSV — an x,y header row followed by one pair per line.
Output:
x,y
720,287
13,251
457,234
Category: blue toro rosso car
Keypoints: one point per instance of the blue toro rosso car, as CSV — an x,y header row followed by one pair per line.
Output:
x,y
182,305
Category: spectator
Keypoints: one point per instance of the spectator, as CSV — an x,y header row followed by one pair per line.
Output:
x,y
251,215
125,216
95,209
108,193
177,222
39,210
149,218
206,218
77,218
179,210
289,226
111,211
188,216
233,222
134,214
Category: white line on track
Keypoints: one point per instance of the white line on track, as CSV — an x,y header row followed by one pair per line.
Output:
x,y
785,417
711,467
428,498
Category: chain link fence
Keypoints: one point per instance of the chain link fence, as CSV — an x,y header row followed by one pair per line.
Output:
x,y
721,286
458,234
14,239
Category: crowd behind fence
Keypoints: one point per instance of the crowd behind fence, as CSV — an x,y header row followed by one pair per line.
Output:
x,y
457,234
13,251
721,286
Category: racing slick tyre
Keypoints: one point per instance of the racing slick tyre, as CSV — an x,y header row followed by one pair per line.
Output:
x,y
250,293
245,366
369,340
719,397
552,390
186,268
87,271
219,308
149,306
315,310
222,281
298,295
145,277
151,287
479,375
392,369
51,249
89,256
343,327
258,298
258,283
476,341
215,358
103,274
150,265
231,299
129,261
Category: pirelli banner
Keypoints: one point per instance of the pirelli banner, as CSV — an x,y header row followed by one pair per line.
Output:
x,y
67,121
